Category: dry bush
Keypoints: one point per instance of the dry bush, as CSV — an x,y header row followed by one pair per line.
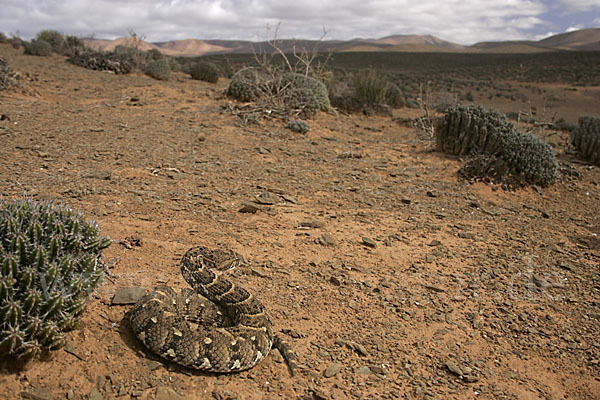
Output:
x,y
205,71
38,47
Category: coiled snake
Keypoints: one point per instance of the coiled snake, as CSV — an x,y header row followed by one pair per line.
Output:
x,y
218,326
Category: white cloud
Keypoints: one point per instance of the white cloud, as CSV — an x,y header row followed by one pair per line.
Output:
x,y
462,21
575,28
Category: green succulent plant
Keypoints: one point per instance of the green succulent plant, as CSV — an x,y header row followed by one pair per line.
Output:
x,y
48,268
586,139
473,131
298,126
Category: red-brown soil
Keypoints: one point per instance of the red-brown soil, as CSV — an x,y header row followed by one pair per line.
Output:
x,y
500,286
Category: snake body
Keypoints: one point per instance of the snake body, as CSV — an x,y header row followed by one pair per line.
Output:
x,y
218,326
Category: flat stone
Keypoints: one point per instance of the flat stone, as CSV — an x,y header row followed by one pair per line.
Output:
x,y
332,370
37,394
363,370
369,242
312,224
95,395
153,365
267,198
129,295
248,207
326,240
166,393
453,367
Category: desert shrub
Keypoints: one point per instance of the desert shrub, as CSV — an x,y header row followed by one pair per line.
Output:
x,y
38,47
247,85
370,88
3,38
73,45
204,71
102,61
298,126
54,38
302,94
137,58
474,131
154,54
159,69
8,77
394,96
48,267
586,139
16,42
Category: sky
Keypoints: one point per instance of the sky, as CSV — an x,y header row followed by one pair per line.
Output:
x,y
459,21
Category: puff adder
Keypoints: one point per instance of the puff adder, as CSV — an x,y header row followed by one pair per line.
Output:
x,y
218,326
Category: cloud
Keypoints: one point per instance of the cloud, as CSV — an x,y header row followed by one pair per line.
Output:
x,y
462,21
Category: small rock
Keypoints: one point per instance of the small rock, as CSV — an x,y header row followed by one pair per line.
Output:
x,y
153,365
289,199
37,394
312,224
453,367
466,235
267,198
434,243
263,150
248,207
363,370
369,242
276,356
350,154
335,281
332,370
359,348
128,295
102,175
95,395
326,240
166,393
405,201
376,369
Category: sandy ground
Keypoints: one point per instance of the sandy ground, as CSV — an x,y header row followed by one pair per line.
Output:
x,y
376,259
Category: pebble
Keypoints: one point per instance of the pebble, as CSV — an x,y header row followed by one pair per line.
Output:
x,y
248,207
153,365
363,370
312,224
453,367
128,295
369,242
332,370
37,394
166,393
325,240
267,198
95,395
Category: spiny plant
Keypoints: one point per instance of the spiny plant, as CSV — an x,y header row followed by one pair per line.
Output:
x,y
8,77
586,139
48,268
472,130
298,126
205,71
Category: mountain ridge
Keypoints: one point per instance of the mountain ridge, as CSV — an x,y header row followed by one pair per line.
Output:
x,y
581,40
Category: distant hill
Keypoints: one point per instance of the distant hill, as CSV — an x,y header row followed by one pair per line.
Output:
x,y
582,40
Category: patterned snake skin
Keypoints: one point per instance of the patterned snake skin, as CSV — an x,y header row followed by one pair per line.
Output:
x,y
217,327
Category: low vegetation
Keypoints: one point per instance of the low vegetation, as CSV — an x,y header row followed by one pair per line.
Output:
x,y
48,268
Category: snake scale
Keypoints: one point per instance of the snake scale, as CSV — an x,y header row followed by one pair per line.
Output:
x,y
217,327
